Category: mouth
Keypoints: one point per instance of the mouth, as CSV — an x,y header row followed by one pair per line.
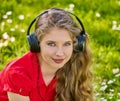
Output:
x,y
58,60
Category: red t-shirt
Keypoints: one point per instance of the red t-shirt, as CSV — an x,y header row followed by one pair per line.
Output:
x,y
23,76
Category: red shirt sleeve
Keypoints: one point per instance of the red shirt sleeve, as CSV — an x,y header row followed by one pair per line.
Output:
x,y
17,81
18,75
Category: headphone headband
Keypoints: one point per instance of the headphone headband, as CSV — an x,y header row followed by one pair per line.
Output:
x,y
46,11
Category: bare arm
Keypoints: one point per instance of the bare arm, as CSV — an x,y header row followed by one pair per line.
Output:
x,y
17,97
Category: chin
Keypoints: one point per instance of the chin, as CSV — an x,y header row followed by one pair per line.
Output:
x,y
60,66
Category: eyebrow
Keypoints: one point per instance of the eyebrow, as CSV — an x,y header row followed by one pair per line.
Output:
x,y
56,41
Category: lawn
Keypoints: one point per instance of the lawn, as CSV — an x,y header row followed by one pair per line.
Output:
x,y
101,20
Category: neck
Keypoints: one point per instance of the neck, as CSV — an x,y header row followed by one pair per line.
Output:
x,y
47,75
47,72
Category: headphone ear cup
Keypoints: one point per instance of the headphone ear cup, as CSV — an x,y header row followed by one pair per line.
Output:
x,y
80,43
33,43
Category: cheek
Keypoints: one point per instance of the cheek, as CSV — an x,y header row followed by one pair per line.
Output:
x,y
47,51
69,51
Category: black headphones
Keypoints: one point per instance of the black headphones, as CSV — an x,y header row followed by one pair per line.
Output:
x,y
34,43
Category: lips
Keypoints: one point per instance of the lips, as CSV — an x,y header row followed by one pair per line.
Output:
x,y
58,60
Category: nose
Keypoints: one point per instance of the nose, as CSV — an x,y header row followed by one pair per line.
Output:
x,y
59,52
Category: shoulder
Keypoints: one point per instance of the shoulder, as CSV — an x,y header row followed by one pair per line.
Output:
x,y
25,61
20,73
24,65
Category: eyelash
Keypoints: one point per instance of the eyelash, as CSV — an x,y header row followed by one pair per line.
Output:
x,y
67,44
53,44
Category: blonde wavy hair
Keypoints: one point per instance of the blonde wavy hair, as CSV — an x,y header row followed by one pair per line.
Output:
x,y
74,79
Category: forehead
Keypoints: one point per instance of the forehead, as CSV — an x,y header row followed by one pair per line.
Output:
x,y
57,34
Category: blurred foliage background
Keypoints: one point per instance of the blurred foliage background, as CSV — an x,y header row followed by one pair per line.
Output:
x,y
101,19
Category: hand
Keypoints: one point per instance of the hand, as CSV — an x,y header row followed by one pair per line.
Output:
x,y
16,97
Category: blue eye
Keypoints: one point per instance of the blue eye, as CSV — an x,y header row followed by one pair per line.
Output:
x,y
51,44
67,44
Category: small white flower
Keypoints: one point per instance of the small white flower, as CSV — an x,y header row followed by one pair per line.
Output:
x,y
110,81
114,22
9,13
72,6
12,29
97,94
115,70
98,15
118,94
12,39
21,17
22,30
5,16
9,20
5,35
103,87
111,90
117,75
114,27
103,83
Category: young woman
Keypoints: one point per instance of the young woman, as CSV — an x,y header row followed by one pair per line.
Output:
x,y
58,71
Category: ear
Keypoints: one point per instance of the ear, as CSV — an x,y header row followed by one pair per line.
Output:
x,y
80,43
33,43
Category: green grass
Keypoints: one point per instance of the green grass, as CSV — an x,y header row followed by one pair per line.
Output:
x,y
101,20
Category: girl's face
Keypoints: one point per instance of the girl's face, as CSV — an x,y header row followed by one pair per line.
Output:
x,y
56,48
